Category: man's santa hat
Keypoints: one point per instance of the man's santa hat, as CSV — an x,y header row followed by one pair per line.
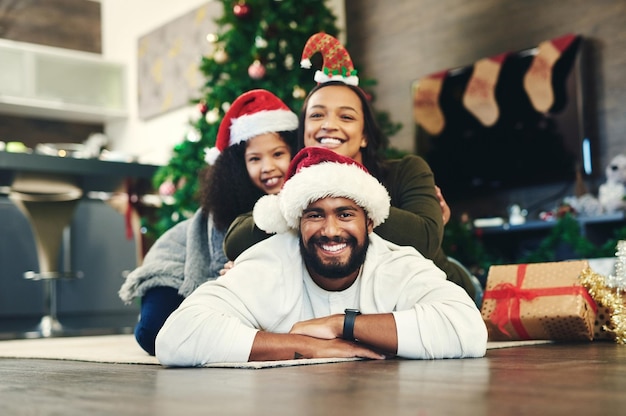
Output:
x,y
337,65
253,113
316,173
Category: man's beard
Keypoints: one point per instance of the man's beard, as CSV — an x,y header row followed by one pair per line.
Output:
x,y
334,270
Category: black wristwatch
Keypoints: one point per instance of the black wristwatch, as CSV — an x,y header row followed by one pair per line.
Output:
x,y
348,323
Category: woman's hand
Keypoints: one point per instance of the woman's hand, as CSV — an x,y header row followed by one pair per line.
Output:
x,y
229,265
328,327
445,209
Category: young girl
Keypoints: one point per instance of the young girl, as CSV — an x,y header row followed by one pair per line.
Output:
x,y
255,143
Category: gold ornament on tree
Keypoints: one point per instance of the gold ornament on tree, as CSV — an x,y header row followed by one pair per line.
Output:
x,y
298,92
220,56
212,116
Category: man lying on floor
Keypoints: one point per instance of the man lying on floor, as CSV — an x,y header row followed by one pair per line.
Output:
x,y
325,285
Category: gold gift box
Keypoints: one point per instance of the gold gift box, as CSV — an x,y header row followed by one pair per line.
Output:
x,y
538,301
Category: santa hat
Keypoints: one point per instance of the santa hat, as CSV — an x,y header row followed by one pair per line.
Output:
x,y
252,113
337,65
316,173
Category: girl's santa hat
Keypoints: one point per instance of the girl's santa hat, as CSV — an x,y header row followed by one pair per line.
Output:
x,y
337,65
316,173
253,113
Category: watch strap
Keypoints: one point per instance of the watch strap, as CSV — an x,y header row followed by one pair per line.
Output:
x,y
348,323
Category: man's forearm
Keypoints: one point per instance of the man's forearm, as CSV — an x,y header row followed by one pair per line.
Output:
x,y
268,347
377,330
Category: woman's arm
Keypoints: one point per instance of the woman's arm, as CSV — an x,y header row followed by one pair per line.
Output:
x,y
415,218
241,235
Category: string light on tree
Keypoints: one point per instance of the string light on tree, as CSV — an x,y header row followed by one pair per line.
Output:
x,y
289,61
260,42
193,135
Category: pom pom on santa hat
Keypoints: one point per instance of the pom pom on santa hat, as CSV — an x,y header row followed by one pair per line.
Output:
x,y
337,65
253,113
316,173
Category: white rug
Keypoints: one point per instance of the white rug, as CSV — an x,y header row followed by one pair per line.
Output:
x,y
123,349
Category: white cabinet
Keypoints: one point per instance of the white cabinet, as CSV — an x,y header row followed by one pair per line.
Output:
x,y
45,82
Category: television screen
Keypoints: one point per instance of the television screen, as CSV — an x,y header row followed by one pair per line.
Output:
x,y
523,146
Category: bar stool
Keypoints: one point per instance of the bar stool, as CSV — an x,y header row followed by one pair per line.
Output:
x,y
48,202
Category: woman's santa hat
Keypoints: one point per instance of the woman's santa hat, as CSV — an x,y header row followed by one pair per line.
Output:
x,y
337,65
253,113
316,173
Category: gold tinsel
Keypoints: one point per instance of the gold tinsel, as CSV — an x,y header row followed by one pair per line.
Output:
x,y
609,298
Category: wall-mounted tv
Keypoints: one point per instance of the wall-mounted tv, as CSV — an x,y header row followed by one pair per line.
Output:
x,y
524,147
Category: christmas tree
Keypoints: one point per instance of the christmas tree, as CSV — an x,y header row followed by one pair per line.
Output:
x,y
258,44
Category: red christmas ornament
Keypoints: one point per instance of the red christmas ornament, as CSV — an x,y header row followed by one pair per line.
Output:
x,y
241,10
167,188
202,107
256,70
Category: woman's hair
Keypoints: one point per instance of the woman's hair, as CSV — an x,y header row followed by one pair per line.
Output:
x,y
376,140
226,190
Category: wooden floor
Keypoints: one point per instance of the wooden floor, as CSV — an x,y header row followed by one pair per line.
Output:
x,y
553,379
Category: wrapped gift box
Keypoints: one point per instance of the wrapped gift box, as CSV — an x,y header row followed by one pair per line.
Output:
x,y
538,301
603,319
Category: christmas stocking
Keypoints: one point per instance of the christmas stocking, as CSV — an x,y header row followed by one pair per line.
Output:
x,y
426,108
480,98
538,79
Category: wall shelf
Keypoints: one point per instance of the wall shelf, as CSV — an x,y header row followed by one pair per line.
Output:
x,y
53,83
547,225
512,242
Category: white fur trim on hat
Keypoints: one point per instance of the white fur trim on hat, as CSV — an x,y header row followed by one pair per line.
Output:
x,y
244,127
267,215
326,179
321,77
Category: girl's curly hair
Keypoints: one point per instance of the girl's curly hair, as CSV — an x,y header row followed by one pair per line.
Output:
x,y
226,190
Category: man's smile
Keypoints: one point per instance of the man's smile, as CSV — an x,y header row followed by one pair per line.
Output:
x,y
333,247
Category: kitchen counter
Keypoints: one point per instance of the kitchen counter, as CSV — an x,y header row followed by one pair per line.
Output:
x,y
92,174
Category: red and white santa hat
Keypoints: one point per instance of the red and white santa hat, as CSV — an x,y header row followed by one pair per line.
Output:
x,y
316,173
252,113
337,65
